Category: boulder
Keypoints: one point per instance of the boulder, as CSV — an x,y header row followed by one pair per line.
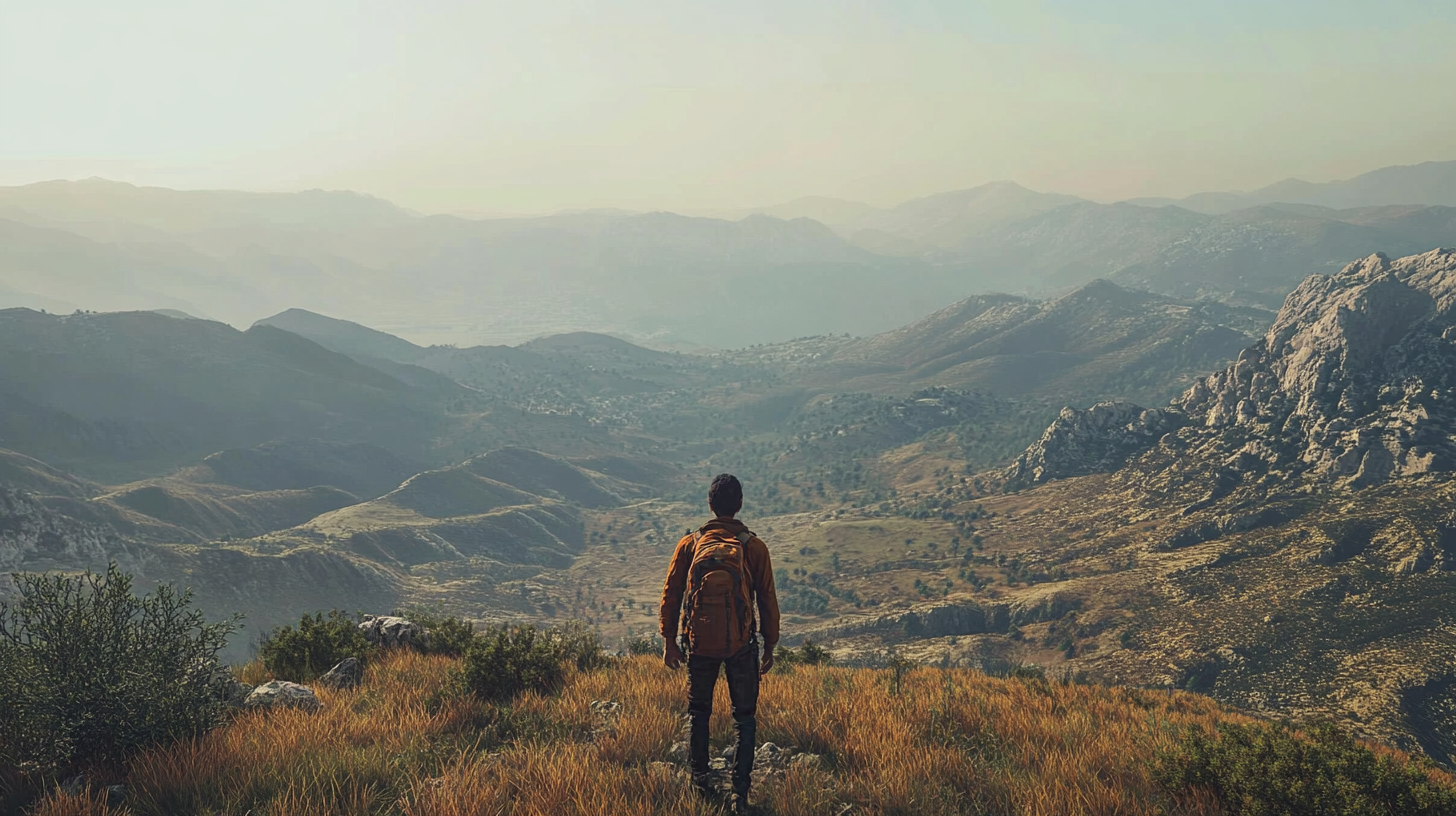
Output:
x,y
388,631
283,694
234,692
346,675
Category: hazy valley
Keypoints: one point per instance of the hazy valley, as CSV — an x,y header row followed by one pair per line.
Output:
x,y
1134,470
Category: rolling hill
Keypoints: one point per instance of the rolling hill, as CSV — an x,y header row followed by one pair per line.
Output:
x,y
140,390
1098,342
1430,183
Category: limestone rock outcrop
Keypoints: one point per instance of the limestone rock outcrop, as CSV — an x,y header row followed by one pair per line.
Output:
x,y
388,631
349,673
1355,382
1094,440
283,694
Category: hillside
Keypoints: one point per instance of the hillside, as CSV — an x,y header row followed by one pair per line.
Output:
x,y
925,742
646,276
1097,342
270,589
1254,255
140,390
1283,527
643,275
953,220
1278,536
1429,183
475,537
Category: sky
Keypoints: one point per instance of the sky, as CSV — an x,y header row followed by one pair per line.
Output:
x,y
495,107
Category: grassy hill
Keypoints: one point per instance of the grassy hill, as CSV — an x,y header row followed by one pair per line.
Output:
x,y
854,741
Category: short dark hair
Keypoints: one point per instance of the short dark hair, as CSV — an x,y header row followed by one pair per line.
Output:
x,y
725,494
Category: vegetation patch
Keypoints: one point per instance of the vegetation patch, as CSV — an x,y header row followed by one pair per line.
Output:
x,y
317,644
1273,770
91,674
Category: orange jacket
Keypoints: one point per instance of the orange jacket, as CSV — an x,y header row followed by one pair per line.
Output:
x,y
760,573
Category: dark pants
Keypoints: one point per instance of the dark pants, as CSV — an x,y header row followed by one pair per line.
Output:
x,y
742,671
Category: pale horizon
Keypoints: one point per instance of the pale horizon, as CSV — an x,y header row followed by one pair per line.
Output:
x,y
643,105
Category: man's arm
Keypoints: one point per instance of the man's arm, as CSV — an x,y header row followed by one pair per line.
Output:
x,y
672,596
768,601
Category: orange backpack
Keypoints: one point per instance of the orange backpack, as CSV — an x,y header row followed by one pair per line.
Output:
x,y
716,605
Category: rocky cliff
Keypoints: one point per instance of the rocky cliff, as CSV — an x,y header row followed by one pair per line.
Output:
x,y
1355,382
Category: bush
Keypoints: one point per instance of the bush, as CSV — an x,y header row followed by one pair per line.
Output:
x,y
448,635
1268,770
809,653
645,645
506,661
317,645
1028,671
90,673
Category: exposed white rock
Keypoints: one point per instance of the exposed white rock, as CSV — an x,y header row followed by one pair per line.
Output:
x,y
1355,382
283,694
389,631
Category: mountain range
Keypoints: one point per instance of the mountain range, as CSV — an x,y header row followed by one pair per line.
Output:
x,y
815,266
1144,488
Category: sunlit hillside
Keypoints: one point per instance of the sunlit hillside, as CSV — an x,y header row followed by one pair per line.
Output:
x,y
861,741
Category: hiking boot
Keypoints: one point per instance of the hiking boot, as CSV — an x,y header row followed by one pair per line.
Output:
x,y
704,785
738,805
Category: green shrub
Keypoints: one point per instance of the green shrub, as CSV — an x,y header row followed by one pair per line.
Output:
x,y
579,645
1268,770
809,653
1028,671
449,635
90,673
645,645
318,644
506,661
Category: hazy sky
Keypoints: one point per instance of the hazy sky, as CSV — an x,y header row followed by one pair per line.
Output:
x,y
534,105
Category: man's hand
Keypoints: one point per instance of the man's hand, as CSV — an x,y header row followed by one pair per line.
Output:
x,y
767,662
672,656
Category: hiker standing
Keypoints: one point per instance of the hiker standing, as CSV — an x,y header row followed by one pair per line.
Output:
x,y
716,574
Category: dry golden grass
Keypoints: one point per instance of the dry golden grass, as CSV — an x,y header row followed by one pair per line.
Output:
x,y
948,742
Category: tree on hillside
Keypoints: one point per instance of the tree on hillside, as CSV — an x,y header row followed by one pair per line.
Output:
x,y
90,673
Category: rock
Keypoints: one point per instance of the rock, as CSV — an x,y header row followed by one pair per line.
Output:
x,y
806,761
388,631
115,795
769,755
1354,383
283,694
234,691
1094,440
606,712
73,786
349,673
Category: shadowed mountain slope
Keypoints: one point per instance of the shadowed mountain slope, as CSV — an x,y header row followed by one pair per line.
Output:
x,y
1428,183
359,468
1099,341
144,388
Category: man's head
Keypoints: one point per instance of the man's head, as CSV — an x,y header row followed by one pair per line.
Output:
x,y
725,496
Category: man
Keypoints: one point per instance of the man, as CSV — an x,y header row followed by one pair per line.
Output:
x,y
717,574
